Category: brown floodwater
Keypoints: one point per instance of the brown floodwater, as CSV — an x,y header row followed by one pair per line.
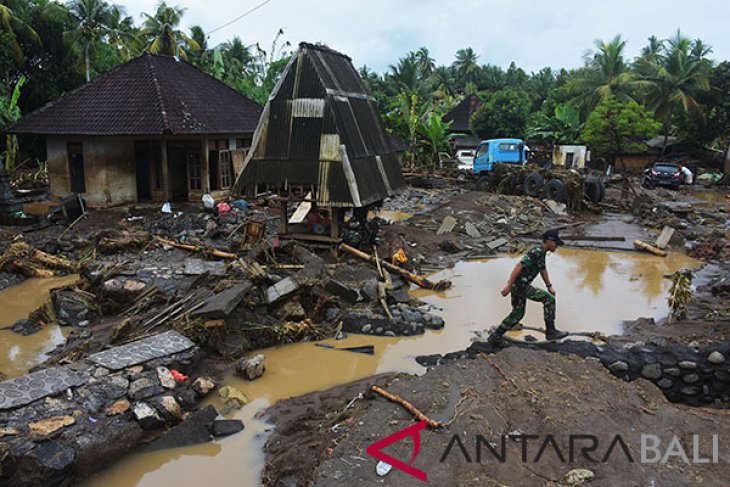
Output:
x,y
18,354
595,290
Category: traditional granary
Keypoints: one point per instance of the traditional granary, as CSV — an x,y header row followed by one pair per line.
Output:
x,y
321,132
154,128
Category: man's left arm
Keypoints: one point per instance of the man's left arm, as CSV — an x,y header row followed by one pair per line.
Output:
x,y
546,279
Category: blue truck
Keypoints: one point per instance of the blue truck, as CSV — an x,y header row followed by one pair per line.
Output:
x,y
513,177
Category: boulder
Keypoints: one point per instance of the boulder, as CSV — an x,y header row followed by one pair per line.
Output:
x,y
251,368
193,431
225,427
165,377
203,385
147,416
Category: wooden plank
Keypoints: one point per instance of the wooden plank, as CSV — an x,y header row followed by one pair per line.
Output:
x,y
649,248
302,210
447,225
663,240
471,230
312,237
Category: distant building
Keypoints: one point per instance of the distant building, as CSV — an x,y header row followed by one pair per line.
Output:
x,y
154,128
459,116
571,156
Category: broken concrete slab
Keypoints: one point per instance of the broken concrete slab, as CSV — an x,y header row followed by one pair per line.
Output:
x,y
557,207
193,431
663,240
281,289
495,244
342,291
142,350
220,305
226,427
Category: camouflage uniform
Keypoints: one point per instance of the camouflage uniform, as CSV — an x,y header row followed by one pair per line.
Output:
x,y
532,263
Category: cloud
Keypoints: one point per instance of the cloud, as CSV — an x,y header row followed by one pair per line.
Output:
x,y
532,33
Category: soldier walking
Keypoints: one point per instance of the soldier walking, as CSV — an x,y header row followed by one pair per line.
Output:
x,y
519,285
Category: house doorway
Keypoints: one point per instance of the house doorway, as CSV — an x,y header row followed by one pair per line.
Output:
x,y
184,167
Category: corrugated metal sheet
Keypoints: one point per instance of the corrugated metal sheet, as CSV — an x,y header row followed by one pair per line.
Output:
x,y
321,127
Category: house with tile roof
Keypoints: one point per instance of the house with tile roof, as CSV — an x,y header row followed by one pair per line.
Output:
x,y
155,128
459,117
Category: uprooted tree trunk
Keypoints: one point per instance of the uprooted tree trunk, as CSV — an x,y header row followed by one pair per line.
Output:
x,y
23,258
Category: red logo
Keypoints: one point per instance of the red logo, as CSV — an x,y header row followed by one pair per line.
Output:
x,y
413,431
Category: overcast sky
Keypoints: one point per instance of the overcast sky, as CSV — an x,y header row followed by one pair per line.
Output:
x,y
532,33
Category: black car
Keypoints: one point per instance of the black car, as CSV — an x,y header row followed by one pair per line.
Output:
x,y
662,174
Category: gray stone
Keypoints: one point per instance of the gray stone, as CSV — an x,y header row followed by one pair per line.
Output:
x,y
716,358
226,427
673,371
619,366
652,371
144,388
343,292
411,315
379,330
219,306
251,368
686,364
165,377
691,378
370,289
195,267
168,408
101,372
390,333
427,318
665,383
690,391
147,416
192,431
203,385
281,289
55,456
366,328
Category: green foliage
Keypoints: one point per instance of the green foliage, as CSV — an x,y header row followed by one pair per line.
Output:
x,y
434,135
715,106
9,113
503,114
563,126
162,34
615,127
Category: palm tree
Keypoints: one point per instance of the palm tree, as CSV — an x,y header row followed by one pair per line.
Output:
x,y
443,82
404,75
16,30
92,20
121,33
606,74
425,62
674,77
466,65
163,35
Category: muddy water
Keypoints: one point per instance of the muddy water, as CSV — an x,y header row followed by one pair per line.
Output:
x,y
19,353
596,291
391,216
711,197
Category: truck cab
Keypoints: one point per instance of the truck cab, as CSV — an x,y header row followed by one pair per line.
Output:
x,y
489,152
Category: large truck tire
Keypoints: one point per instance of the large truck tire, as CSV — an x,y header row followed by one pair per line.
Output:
x,y
593,191
603,191
482,183
532,185
555,190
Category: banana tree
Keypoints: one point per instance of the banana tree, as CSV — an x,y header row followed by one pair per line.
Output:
x,y
434,135
9,113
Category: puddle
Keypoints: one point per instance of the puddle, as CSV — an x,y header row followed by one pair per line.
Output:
x,y
596,291
709,197
18,354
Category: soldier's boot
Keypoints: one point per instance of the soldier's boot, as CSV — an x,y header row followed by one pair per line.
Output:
x,y
553,334
496,338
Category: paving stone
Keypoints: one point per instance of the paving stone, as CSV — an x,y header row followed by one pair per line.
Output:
x,y
25,389
142,350
220,305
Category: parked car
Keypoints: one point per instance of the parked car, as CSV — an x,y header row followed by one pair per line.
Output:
x,y
662,174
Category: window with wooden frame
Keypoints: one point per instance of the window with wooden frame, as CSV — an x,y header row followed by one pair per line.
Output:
x,y
218,177
195,172
225,169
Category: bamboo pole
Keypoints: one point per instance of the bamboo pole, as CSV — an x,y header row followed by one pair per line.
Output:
x,y
409,407
649,248
193,248
417,280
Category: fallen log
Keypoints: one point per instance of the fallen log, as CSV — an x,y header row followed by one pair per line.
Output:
x,y
23,258
417,280
409,407
649,248
194,248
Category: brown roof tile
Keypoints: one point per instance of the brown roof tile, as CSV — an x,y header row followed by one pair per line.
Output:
x,y
149,95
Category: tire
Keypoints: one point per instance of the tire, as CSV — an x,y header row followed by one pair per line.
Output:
x,y
593,191
532,185
603,191
555,190
461,176
482,183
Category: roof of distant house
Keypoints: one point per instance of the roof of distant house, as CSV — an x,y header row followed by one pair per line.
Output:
x,y
461,113
149,95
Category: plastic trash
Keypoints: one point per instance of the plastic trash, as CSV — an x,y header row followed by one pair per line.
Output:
x,y
166,208
240,205
383,469
208,202
179,377
224,208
